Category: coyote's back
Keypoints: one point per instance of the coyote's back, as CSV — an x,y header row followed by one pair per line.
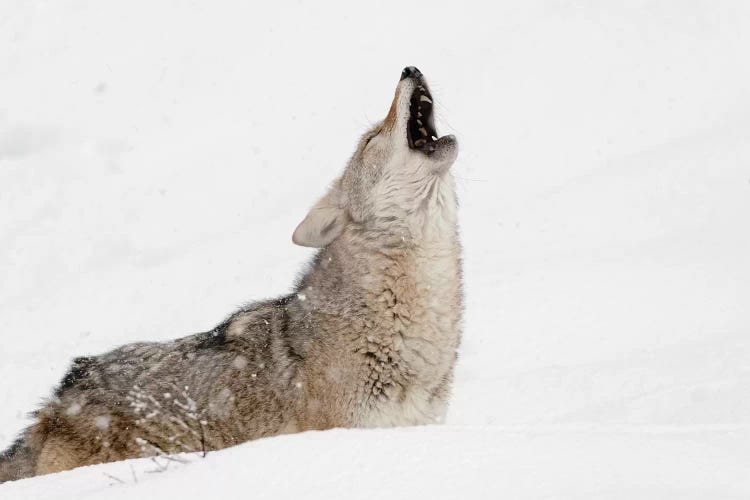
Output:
x,y
368,337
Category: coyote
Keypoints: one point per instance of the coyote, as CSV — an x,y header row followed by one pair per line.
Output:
x,y
368,337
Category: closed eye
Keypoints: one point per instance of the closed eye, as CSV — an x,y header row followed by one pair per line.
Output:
x,y
373,136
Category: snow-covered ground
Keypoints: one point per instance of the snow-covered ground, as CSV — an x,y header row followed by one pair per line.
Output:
x,y
155,157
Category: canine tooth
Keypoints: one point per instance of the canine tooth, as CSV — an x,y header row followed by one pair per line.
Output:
x,y
423,131
425,98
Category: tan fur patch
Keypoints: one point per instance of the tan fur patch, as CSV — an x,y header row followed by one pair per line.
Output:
x,y
57,455
390,120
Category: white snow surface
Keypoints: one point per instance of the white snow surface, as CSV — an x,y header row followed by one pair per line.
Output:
x,y
155,157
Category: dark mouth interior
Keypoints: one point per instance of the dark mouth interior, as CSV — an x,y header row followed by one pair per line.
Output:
x,y
420,130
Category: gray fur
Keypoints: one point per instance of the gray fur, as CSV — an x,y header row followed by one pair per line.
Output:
x,y
367,339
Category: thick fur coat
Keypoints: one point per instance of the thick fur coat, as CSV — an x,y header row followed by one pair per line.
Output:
x,y
367,339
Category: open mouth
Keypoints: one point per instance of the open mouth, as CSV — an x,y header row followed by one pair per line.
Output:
x,y
420,129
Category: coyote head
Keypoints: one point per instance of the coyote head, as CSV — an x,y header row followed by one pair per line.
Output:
x,y
397,185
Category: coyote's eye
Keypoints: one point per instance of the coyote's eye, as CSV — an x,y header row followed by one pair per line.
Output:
x,y
370,138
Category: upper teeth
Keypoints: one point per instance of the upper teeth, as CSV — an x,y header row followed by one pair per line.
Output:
x,y
421,125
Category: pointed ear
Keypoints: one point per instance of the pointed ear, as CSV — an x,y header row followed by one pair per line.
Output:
x,y
323,223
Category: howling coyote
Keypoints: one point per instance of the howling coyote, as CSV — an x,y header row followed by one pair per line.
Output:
x,y
368,338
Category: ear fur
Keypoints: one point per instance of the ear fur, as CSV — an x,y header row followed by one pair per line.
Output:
x,y
323,223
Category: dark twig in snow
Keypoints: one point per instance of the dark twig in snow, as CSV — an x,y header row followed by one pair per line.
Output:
x,y
114,477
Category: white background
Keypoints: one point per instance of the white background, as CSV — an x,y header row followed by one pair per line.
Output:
x,y
155,157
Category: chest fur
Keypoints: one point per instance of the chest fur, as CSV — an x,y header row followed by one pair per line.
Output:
x,y
411,347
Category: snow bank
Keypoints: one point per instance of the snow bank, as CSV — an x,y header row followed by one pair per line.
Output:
x,y
432,462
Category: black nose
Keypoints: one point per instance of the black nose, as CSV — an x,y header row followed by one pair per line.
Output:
x,y
410,72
